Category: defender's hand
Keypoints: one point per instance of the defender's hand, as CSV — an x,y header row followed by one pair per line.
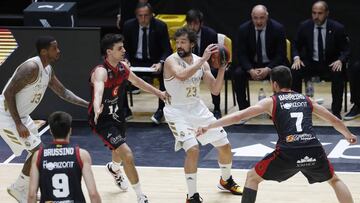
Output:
x,y
22,130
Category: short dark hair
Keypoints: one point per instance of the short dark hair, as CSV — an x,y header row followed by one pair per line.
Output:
x,y
191,35
108,41
282,76
142,5
193,15
44,42
60,124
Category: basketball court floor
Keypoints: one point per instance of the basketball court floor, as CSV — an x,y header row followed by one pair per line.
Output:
x,y
160,168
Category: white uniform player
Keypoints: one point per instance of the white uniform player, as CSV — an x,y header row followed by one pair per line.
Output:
x,y
27,100
187,111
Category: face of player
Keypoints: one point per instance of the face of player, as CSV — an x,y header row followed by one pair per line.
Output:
x,y
143,15
259,18
117,53
183,46
53,52
319,13
195,25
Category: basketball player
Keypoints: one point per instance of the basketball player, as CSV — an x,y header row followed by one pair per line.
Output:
x,y
182,75
106,118
297,148
21,95
57,169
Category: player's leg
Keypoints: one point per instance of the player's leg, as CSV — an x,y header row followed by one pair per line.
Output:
x,y
342,191
251,186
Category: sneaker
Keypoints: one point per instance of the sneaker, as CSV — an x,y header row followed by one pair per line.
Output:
x,y
119,178
231,186
127,114
158,115
142,199
194,199
217,114
19,193
353,113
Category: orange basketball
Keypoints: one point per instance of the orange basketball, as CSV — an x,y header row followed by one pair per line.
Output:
x,y
220,58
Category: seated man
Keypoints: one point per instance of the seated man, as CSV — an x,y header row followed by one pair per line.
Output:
x,y
261,45
147,44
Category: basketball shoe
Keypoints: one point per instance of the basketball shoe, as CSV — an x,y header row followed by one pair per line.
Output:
x,y
119,177
231,186
194,199
19,193
142,199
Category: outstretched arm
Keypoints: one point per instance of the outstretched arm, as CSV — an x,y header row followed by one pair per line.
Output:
x,y
214,84
34,180
89,177
64,93
98,79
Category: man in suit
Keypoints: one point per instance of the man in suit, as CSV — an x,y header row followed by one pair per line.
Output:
x,y
205,37
147,44
321,48
261,44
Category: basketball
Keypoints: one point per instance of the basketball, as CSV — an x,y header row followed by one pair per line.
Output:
x,y
220,58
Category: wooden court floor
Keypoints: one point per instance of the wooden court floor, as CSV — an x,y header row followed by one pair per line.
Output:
x,y
167,185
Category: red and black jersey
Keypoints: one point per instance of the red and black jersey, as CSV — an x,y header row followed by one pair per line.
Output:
x,y
292,117
114,92
60,172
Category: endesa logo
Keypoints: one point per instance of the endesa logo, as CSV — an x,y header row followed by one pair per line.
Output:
x,y
115,91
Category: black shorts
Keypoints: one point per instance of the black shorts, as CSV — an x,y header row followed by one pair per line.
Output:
x,y
111,132
282,164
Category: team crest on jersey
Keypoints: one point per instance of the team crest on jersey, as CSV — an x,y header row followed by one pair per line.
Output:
x,y
115,91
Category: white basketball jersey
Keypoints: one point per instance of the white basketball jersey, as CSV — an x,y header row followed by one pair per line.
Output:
x,y
184,92
30,96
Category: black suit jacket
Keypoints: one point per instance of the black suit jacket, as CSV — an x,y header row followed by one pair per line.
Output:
x,y
275,43
208,36
336,42
159,43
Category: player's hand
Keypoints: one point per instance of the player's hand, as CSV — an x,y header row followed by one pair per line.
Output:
x,y
336,66
212,48
22,130
201,131
157,67
297,64
352,139
97,113
165,97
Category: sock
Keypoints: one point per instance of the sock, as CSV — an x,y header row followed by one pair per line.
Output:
x,y
22,180
191,183
249,195
137,189
116,166
225,171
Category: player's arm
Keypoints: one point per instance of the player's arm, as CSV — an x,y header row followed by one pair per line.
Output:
x,y
214,85
263,106
25,74
89,177
324,114
174,69
98,79
64,93
34,179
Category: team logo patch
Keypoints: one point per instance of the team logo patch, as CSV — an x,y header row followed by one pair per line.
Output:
x,y
27,143
115,91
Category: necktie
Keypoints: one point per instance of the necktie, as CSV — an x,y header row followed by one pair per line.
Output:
x,y
259,48
144,44
320,45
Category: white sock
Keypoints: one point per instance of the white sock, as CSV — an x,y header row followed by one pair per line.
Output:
x,y
225,171
22,180
115,166
137,189
191,183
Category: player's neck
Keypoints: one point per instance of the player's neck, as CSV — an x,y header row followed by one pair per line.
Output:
x,y
188,59
61,141
285,90
45,62
113,63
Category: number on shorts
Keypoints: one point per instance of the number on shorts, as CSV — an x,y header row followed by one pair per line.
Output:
x,y
191,91
113,109
299,117
60,183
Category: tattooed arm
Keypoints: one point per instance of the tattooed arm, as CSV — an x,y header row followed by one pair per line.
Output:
x,y
64,93
25,74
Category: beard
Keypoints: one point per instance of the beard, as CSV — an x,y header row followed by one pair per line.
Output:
x,y
182,53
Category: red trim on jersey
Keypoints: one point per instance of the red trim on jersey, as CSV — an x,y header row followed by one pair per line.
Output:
x,y
331,168
105,142
310,103
274,108
261,166
115,69
40,151
78,157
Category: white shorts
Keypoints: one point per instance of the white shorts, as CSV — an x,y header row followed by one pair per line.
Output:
x,y
11,136
184,120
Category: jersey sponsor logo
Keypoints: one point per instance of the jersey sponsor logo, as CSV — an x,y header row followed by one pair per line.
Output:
x,y
111,101
299,137
306,161
286,97
61,201
115,91
292,105
115,140
57,165
59,151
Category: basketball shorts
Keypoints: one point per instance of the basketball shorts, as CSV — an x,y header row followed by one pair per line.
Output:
x,y
111,132
184,120
11,136
282,164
